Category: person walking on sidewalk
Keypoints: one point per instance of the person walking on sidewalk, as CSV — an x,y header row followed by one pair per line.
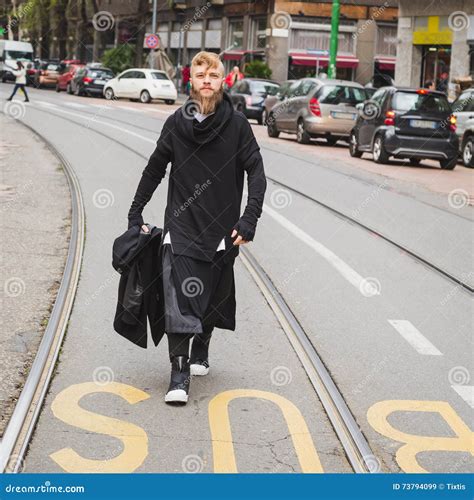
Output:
x,y
233,77
20,81
210,147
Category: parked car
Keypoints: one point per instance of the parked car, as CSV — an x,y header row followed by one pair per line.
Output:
x,y
317,108
47,74
68,71
406,123
143,84
463,109
12,51
248,96
273,99
90,81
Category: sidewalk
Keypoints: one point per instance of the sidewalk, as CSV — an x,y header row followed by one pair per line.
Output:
x,y
35,228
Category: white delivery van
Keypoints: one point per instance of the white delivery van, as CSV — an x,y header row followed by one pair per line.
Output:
x,y
12,51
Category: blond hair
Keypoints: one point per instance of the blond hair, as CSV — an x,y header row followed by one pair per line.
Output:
x,y
210,59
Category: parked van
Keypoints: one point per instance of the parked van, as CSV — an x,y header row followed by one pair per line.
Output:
x,y
12,51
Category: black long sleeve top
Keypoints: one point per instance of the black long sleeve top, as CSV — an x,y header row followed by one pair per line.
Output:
x,y
208,160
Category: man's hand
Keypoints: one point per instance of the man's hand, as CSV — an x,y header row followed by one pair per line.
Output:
x,y
145,228
239,240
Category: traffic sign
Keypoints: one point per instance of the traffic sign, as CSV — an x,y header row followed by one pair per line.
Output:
x,y
152,41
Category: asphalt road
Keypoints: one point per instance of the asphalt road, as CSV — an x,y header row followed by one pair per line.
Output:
x,y
395,334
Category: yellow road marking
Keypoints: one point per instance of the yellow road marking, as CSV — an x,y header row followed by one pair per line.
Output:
x,y
221,434
135,440
377,417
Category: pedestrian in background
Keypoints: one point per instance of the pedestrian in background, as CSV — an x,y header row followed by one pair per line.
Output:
x,y
185,79
233,77
20,81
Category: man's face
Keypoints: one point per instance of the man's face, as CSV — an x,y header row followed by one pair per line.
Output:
x,y
207,87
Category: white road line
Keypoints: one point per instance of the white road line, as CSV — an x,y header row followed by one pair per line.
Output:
x,y
414,337
466,392
353,277
46,103
75,105
110,125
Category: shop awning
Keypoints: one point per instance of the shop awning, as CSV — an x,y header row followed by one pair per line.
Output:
x,y
308,59
385,63
237,54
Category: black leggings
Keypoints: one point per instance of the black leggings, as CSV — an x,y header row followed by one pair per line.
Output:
x,y
178,343
19,86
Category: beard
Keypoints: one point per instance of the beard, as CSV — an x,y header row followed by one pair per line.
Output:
x,y
207,104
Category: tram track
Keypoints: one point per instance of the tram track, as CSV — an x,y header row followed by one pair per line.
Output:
x,y
21,425
459,281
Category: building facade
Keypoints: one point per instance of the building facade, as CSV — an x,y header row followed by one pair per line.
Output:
x,y
436,43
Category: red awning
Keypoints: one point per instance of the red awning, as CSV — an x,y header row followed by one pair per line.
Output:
x,y
387,63
237,55
308,59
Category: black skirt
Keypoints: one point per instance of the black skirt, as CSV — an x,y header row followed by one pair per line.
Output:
x,y
198,294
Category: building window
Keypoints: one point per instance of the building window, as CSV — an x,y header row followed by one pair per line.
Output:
x,y
386,44
259,38
236,34
319,39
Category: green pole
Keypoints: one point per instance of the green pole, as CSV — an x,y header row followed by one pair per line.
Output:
x,y
336,7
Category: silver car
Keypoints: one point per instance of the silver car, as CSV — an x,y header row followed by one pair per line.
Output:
x,y
316,107
463,109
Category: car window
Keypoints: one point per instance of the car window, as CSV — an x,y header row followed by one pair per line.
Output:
x,y
159,76
259,87
128,74
464,102
304,88
139,74
412,101
100,73
341,94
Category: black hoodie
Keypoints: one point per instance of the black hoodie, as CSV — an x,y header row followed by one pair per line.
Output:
x,y
208,160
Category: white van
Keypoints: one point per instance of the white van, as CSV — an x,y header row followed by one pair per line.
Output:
x,y
12,51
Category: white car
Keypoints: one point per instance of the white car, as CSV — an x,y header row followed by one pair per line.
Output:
x,y
143,84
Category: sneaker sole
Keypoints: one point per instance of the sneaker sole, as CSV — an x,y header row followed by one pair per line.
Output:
x,y
176,396
199,370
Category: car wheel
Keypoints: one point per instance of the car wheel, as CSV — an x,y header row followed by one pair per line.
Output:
x,y
379,151
68,88
145,97
265,117
169,101
449,163
354,146
57,88
302,137
78,91
272,129
109,94
468,152
331,140
414,161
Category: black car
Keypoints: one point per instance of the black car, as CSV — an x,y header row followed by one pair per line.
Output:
x,y
248,96
406,123
90,81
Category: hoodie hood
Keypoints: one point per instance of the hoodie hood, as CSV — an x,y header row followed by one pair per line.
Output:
x,y
210,128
